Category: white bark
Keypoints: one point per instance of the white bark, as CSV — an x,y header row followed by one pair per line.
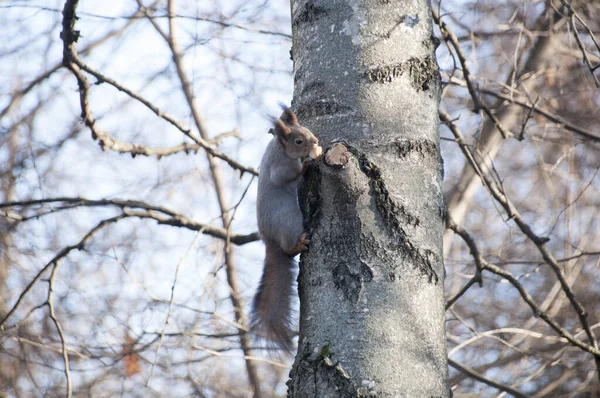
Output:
x,y
371,285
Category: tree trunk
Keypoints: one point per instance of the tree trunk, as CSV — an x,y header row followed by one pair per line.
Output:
x,y
371,284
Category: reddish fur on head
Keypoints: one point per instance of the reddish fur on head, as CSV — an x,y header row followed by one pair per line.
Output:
x,y
298,141
288,116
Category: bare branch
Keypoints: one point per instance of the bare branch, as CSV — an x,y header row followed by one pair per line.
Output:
x,y
65,348
479,377
72,61
161,214
580,44
584,133
62,254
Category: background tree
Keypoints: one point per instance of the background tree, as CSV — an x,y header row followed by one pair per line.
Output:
x,y
129,254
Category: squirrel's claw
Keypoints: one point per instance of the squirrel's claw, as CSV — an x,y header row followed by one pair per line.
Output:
x,y
301,246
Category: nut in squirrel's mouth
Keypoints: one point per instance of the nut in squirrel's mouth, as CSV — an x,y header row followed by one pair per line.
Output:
x,y
316,152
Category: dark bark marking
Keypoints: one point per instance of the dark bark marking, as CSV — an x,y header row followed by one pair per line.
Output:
x,y
391,213
317,86
410,20
350,284
324,371
366,272
309,197
422,147
349,277
421,70
433,43
386,206
321,107
310,13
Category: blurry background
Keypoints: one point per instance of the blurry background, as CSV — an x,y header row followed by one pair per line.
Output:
x,y
123,253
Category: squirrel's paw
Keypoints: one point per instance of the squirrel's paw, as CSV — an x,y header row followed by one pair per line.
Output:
x,y
301,246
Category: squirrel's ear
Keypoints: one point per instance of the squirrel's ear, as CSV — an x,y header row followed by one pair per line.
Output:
x,y
281,130
288,116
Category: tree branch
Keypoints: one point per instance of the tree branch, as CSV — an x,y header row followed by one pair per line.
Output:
x,y
72,61
160,214
65,348
61,254
479,377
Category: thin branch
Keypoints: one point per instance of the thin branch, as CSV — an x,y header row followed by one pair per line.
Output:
x,y
479,377
538,312
136,16
162,333
540,111
61,254
65,349
230,267
526,120
449,36
580,44
37,80
72,61
539,241
465,288
160,214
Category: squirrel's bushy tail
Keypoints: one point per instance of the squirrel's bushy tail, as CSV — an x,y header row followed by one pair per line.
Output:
x,y
272,307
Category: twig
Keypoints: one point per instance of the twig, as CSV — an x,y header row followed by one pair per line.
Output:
x,y
472,281
477,103
524,124
137,16
63,253
160,214
580,44
65,352
25,90
72,61
162,333
547,114
479,377
538,312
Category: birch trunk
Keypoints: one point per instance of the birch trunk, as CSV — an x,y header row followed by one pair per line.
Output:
x,y
371,285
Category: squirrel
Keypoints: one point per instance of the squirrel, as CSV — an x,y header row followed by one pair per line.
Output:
x,y
281,225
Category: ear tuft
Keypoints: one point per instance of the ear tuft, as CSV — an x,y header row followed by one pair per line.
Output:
x,y
288,116
281,130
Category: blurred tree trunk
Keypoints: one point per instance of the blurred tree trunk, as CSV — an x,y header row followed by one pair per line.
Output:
x,y
371,285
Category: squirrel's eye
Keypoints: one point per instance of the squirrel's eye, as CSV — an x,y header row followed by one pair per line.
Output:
x,y
299,141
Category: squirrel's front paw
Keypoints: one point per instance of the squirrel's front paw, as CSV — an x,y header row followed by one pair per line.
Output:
x,y
301,246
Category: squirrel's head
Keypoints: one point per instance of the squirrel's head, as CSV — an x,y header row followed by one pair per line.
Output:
x,y
297,141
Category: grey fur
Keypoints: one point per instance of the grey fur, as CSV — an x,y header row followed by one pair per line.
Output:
x,y
280,225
